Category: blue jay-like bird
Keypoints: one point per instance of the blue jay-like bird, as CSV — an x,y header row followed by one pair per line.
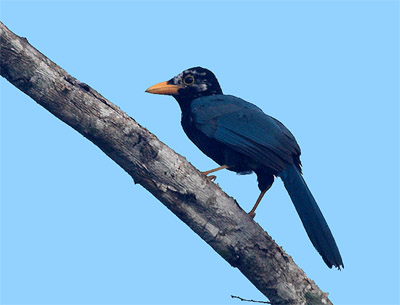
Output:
x,y
240,137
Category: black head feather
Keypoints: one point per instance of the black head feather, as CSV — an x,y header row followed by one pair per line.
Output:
x,y
195,82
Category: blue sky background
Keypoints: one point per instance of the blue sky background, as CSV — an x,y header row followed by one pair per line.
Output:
x,y
76,230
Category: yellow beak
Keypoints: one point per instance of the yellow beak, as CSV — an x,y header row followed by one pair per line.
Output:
x,y
164,88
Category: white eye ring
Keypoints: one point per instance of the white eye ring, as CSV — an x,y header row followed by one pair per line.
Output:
x,y
188,80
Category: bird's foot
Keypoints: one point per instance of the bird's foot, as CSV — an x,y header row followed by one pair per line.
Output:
x,y
211,177
252,214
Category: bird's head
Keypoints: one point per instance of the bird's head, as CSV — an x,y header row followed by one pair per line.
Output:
x,y
189,85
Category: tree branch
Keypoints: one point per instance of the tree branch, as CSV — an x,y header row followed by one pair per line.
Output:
x,y
202,205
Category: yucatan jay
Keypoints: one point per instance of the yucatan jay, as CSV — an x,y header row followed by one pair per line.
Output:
x,y
240,137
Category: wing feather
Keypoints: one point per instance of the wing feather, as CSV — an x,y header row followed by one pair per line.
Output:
x,y
245,128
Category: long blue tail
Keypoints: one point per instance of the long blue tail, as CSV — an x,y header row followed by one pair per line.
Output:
x,y
311,216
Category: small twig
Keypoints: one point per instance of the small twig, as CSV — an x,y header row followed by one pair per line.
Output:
x,y
246,300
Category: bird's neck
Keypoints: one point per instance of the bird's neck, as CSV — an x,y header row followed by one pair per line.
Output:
x,y
186,118
185,104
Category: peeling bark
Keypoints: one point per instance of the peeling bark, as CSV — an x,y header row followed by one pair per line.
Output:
x,y
198,202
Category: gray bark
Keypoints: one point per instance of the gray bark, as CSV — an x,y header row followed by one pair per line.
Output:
x,y
198,202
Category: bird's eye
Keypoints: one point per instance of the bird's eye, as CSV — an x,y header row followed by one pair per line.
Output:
x,y
188,80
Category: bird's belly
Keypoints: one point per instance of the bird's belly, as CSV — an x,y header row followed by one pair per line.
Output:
x,y
219,152
212,148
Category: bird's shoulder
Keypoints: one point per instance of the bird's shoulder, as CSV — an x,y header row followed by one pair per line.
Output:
x,y
210,113
233,112
217,105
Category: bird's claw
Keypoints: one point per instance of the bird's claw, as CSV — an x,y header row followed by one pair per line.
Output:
x,y
252,214
211,177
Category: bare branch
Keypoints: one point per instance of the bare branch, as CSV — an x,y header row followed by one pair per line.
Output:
x,y
198,202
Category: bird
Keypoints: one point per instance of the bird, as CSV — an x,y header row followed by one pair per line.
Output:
x,y
241,138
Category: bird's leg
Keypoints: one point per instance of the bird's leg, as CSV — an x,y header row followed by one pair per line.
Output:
x,y
253,210
212,177
215,169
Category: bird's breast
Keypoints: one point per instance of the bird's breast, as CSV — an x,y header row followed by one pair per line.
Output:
x,y
209,146
216,150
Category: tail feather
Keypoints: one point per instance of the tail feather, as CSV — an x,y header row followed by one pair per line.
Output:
x,y
311,216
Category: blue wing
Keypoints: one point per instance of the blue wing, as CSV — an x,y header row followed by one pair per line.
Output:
x,y
246,129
